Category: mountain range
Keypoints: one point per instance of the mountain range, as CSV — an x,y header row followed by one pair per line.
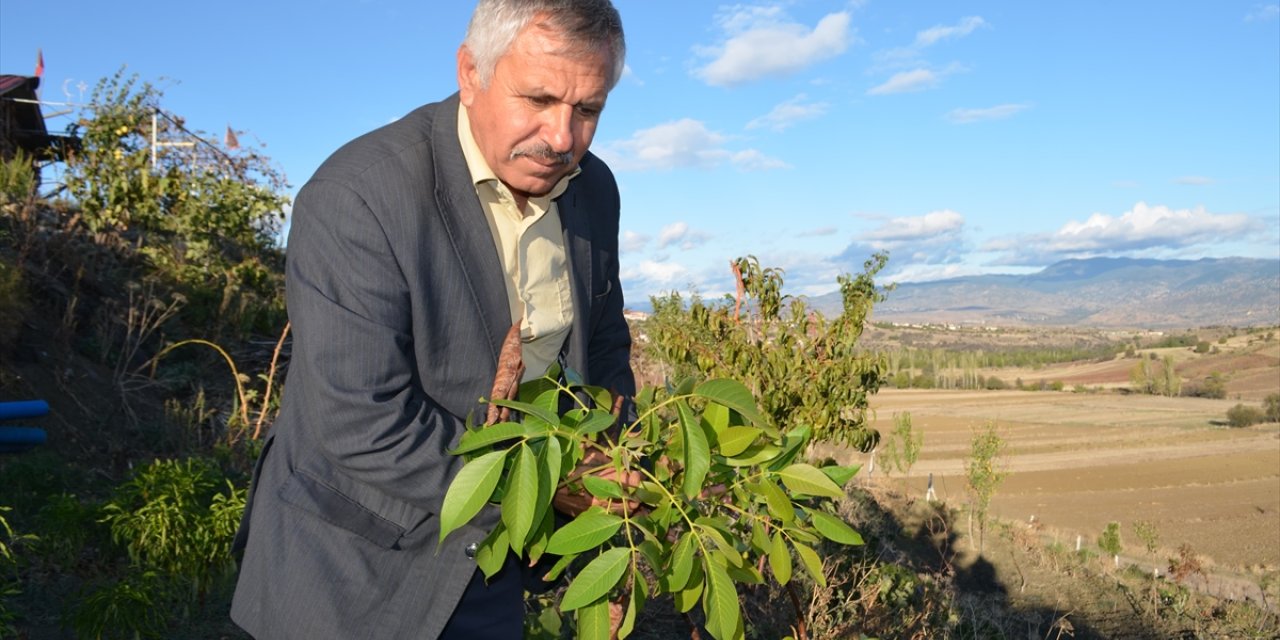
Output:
x,y
1094,292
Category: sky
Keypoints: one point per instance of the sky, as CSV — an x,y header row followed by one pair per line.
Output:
x,y
961,137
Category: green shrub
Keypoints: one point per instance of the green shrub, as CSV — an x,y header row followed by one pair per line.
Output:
x,y
178,518
205,218
135,606
1243,415
1272,407
17,178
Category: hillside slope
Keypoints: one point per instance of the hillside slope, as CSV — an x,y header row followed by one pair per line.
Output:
x,y
1097,292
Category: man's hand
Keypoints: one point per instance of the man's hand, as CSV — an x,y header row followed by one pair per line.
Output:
x,y
572,503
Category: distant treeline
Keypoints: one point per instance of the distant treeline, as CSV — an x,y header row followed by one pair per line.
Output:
x,y
939,368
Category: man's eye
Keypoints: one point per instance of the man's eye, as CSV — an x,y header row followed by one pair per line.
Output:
x,y
588,112
540,101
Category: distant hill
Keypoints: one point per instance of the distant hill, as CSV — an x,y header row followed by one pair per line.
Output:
x,y
1097,292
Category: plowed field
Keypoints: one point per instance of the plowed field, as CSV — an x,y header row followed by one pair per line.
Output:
x,y
1078,461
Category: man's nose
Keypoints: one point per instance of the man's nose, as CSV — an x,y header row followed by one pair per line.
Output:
x,y
559,128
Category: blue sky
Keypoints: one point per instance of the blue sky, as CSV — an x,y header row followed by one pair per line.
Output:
x,y
964,138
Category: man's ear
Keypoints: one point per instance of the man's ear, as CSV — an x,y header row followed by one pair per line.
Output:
x,y
468,77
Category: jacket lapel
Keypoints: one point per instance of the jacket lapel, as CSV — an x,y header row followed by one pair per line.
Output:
x,y
465,223
577,244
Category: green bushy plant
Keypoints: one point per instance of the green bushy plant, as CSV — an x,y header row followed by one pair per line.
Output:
x,y
1243,415
177,518
802,367
983,474
670,536
17,178
205,217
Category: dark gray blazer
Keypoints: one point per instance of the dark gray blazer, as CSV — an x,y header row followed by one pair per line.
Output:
x,y
397,299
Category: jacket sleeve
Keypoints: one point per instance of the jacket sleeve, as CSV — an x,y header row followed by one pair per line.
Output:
x,y
360,400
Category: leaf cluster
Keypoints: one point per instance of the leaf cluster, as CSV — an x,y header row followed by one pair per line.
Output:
x,y
203,216
723,494
177,518
804,368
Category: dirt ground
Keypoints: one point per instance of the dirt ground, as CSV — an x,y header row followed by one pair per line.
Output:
x,y
1077,461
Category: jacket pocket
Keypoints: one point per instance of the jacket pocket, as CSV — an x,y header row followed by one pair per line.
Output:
x,y
313,496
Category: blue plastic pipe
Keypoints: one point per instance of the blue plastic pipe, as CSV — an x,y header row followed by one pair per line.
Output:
x,y
15,439
23,409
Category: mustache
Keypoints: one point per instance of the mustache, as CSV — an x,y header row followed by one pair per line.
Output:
x,y
542,151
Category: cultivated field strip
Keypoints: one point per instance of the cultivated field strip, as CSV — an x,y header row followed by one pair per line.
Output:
x,y
1079,461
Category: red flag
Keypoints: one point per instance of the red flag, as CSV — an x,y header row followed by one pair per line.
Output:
x,y
230,139
39,63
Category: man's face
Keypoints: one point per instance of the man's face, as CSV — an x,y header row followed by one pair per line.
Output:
x,y
535,120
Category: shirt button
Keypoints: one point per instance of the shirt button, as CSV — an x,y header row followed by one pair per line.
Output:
x,y
471,550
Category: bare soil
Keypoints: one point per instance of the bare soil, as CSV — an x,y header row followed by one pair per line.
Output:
x,y
1077,461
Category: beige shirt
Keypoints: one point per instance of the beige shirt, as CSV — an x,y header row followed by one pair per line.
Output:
x,y
530,244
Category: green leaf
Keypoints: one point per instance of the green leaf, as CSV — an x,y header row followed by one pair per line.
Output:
x,y
746,574
833,528
593,620
601,488
841,475
733,395
755,455
697,453
492,553
492,434
521,500
735,440
780,559
529,409
688,597
597,420
469,491
777,501
724,616
717,416
587,531
794,442
596,579
681,568
550,458
684,387
811,562
635,605
727,550
540,536
805,479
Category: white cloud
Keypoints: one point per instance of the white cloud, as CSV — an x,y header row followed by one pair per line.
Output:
x,y
655,274
753,160
680,143
788,113
933,35
914,229
905,82
633,241
1263,13
998,112
935,238
681,235
1195,181
762,41
1145,229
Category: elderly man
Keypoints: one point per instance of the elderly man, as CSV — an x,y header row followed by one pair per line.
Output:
x,y
412,251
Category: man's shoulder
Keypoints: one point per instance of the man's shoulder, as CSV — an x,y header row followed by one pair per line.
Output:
x,y
405,147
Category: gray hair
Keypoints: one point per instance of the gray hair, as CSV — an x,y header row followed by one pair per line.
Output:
x,y
589,26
